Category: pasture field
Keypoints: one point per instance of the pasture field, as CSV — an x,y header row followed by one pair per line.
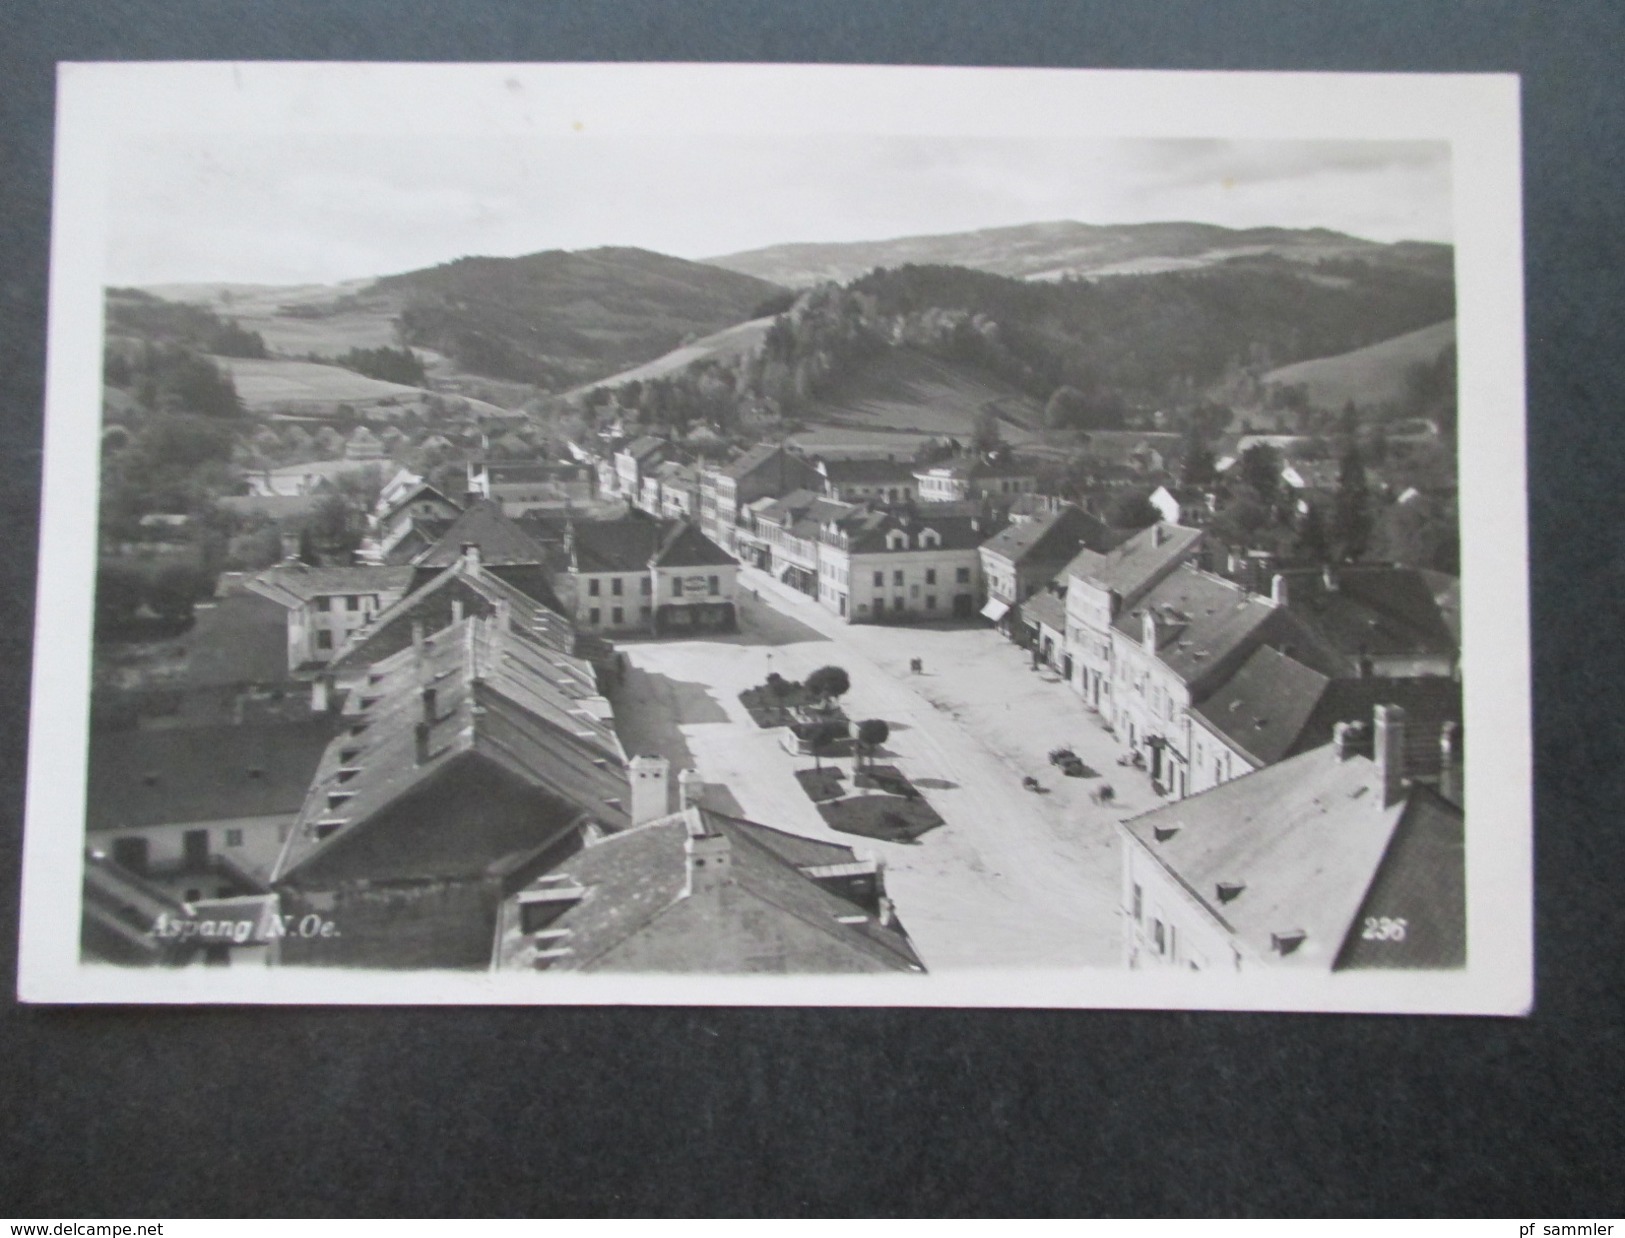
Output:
x,y
1372,375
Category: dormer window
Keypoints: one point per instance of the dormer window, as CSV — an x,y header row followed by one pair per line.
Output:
x,y
930,539
1285,943
1229,891
897,540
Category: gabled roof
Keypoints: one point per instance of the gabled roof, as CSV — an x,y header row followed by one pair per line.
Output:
x,y
976,467
635,544
1205,624
866,531
293,584
1371,608
502,543
1303,838
1275,707
432,605
1134,566
1058,537
172,775
777,916
860,471
1047,608
525,472
757,457
500,699
641,448
423,490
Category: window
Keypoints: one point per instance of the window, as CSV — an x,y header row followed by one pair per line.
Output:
x,y
352,602
1157,937
615,586
324,603
644,587
930,575
962,575
713,586
617,616
677,586
897,578
643,612
880,580
592,587
234,838
593,616
324,639
930,601
1138,903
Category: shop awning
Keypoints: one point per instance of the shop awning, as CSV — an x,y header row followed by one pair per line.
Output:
x,y
995,609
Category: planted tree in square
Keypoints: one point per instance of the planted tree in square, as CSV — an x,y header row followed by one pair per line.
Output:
x,y
828,683
872,732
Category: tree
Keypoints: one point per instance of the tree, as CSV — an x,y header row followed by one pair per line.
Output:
x,y
1260,470
1313,543
820,736
1200,466
1351,518
828,683
1065,409
1132,510
872,732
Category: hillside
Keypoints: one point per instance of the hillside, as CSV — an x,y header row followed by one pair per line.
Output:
x,y
555,319
902,396
1376,374
1044,251
726,345
308,387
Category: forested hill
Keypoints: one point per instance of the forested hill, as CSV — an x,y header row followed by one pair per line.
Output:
x,y
560,317
1153,337
1063,248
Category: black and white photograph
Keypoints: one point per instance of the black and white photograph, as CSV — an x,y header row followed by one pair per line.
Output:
x,y
751,534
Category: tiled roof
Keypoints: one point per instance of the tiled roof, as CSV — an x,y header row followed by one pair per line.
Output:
x,y
502,543
216,773
871,472
635,542
525,472
633,913
242,639
1131,568
481,593
294,584
1046,608
1303,838
1275,707
501,700
866,531
755,458
641,448
423,490
1206,624
1058,536
1373,609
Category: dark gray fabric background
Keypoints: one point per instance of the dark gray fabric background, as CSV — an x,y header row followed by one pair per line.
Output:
x,y
251,1112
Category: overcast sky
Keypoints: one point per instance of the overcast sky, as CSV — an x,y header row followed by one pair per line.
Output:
x,y
324,208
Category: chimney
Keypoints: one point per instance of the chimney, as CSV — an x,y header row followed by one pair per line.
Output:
x,y
1158,534
1450,781
321,689
1388,751
1342,741
471,556
690,788
1278,589
422,734
708,857
428,695
1148,630
417,633
650,778
456,610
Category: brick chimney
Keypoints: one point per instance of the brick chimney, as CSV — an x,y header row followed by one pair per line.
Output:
x,y
690,788
417,633
421,734
1279,593
471,556
708,857
429,702
1158,534
650,778
1388,752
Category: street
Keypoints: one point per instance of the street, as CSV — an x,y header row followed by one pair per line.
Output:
x,y
1014,878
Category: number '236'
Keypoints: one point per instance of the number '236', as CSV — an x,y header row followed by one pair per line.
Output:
x,y
1382,928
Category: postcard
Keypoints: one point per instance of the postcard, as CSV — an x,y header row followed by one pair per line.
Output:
x,y
774,534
